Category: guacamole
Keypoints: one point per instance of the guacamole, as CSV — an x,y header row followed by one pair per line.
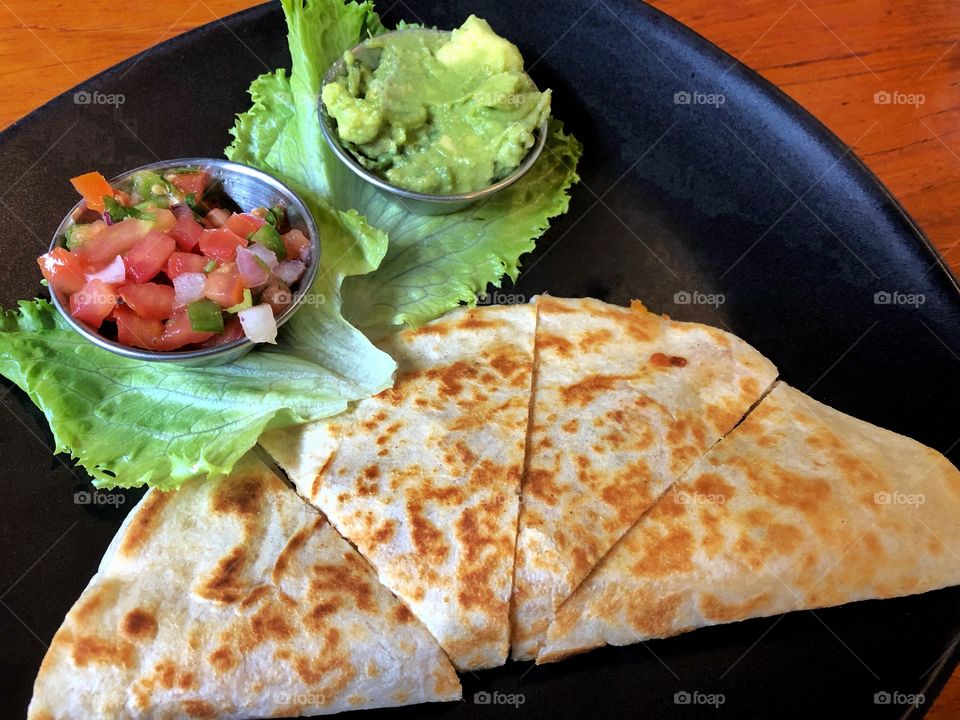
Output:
x,y
441,113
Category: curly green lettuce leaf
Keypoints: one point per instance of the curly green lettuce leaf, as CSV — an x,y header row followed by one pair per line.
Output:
x,y
131,423
432,264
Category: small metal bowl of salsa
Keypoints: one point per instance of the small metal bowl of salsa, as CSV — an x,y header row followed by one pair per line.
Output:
x,y
231,227
368,54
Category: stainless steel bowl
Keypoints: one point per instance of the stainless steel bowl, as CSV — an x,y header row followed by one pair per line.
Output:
x,y
416,202
249,188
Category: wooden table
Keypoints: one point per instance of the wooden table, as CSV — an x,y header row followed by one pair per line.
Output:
x,y
832,57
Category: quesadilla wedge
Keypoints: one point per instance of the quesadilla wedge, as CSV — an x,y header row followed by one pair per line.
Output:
x,y
235,599
424,478
624,402
800,507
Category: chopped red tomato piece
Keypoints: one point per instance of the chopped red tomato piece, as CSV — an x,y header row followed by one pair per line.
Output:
x,y
186,232
118,239
221,244
136,331
177,333
148,256
244,224
224,286
149,300
93,302
94,187
185,262
295,242
63,270
194,182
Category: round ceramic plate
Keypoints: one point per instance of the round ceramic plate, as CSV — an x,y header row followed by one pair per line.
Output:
x,y
706,193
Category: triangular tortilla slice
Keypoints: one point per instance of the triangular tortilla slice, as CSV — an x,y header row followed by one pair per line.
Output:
x,y
800,507
235,599
424,478
624,402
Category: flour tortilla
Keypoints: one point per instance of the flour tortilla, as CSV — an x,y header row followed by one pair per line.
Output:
x,y
424,478
624,402
235,599
800,507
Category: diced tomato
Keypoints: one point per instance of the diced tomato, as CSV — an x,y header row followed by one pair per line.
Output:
x,y
163,219
94,187
195,182
184,262
147,257
186,232
232,330
224,286
63,270
136,331
243,224
177,333
93,302
118,239
221,244
149,300
294,242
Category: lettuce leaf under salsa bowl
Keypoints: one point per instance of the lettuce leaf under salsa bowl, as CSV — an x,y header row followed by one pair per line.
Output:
x,y
132,423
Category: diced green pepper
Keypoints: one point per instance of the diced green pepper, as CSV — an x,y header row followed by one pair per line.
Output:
x,y
275,215
268,236
147,184
205,316
77,235
210,266
247,302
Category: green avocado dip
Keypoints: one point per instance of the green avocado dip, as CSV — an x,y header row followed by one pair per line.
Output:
x,y
441,113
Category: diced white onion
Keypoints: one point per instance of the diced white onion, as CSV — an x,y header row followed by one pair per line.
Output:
x,y
188,287
290,271
265,254
258,324
113,274
254,271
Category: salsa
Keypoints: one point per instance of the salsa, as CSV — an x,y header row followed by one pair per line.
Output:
x,y
441,113
167,264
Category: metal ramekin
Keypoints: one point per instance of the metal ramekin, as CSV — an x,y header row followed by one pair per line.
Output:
x,y
249,188
416,202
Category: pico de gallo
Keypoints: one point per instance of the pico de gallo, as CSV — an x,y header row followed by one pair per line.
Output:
x,y
167,264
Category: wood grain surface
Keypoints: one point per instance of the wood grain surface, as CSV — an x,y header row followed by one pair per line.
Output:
x,y
883,75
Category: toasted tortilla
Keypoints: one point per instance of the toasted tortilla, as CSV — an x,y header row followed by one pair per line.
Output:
x,y
424,478
624,402
235,599
800,507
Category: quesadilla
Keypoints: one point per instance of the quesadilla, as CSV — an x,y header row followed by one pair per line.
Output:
x,y
800,507
624,402
424,478
235,599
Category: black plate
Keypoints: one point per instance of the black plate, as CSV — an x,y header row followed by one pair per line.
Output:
x,y
751,199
